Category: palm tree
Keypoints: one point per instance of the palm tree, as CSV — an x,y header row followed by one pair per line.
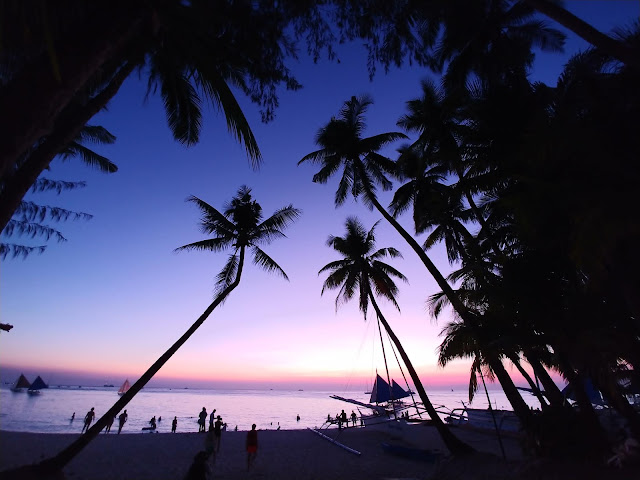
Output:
x,y
343,146
240,228
362,272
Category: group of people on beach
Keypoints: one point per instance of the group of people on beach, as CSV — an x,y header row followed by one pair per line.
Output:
x,y
342,419
91,415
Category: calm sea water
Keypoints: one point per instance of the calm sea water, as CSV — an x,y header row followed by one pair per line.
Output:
x,y
51,411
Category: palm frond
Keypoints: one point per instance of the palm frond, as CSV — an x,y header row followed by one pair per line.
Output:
x,y
13,250
182,104
210,244
263,260
88,157
217,90
227,275
45,184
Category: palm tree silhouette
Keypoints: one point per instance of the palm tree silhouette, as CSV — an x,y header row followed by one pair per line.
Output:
x,y
239,227
343,146
362,272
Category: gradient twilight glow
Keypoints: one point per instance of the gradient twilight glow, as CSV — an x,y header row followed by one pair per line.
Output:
x,y
105,304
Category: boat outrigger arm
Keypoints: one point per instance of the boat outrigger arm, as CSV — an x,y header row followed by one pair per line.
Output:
x,y
377,408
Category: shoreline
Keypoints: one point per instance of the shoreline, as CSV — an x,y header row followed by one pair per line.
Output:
x,y
289,454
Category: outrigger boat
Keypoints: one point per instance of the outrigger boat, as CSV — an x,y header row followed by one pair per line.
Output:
x,y
385,408
36,387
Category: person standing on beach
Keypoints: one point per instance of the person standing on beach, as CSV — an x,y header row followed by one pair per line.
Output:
x,y
252,446
73,417
217,432
174,424
88,418
202,420
212,419
122,420
354,417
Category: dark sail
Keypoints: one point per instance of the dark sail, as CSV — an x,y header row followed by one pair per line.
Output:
x,y
381,392
22,382
38,384
397,391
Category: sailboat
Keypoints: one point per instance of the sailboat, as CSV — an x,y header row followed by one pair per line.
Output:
x,y
21,384
125,386
385,404
36,387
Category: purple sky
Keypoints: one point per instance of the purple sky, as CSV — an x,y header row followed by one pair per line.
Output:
x,y
115,296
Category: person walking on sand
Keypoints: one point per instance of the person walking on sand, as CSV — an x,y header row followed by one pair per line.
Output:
x,y
108,427
88,418
217,432
252,446
122,419
202,420
174,424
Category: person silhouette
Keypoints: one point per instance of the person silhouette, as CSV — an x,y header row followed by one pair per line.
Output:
x,y
252,446
122,419
174,424
202,419
88,418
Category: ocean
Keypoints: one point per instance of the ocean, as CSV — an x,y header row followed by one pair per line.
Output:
x,y
51,411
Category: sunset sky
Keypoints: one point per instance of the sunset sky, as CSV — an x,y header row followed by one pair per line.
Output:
x,y
108,302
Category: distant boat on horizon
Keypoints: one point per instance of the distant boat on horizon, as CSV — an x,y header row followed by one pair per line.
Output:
x,y
125,386
36,387
21,384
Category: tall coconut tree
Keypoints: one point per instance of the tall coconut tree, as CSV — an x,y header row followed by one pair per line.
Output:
x,y
362,272
239,228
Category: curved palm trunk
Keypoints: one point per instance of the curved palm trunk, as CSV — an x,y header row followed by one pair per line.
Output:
x,y
519,406
69,125
453,443
586,31
52,466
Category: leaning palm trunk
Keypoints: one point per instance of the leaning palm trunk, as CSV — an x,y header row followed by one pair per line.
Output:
x,y
551,390
534,388
52,466
605,43
518,404
453,443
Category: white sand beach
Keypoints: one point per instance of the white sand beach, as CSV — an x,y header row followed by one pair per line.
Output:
x,y
285,454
